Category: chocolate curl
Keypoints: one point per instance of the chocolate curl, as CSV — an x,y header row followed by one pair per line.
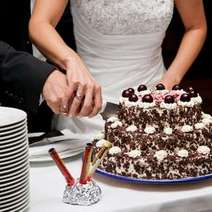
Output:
x,y
60,164
99,157
98,161
107,146
86,163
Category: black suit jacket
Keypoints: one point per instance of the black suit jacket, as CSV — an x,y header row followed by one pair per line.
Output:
x,y
14,18
21,82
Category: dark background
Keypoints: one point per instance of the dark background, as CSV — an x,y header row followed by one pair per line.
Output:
x,y
201,69
14,16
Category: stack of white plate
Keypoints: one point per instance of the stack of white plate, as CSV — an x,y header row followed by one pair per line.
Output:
x,y
14,160
68,145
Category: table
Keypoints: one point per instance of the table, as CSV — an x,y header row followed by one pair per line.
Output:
x,y
47,186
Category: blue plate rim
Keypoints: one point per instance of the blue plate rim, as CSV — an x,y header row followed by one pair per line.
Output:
x,y
153,181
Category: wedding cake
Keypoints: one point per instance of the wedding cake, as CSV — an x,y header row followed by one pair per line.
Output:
x,y
158,134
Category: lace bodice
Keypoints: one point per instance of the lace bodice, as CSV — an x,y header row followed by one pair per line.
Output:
x,y
126,17
120,43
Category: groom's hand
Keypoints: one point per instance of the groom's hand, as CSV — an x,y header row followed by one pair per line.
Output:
x,y
55,92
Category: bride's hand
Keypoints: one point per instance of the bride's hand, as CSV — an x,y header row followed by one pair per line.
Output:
x,y
169,80
84,92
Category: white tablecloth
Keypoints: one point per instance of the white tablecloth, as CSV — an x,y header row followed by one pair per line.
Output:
x,y
47,186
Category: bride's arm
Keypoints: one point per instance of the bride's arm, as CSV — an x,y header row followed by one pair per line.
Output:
x,y
193,17
45,16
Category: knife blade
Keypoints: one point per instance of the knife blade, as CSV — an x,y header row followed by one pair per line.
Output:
x,y
110,109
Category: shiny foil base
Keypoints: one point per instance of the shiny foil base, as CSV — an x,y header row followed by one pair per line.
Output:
x,y
82,194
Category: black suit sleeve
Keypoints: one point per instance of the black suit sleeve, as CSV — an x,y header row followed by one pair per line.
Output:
x,y
22,78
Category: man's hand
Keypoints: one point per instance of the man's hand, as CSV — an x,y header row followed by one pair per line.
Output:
x,y
55,92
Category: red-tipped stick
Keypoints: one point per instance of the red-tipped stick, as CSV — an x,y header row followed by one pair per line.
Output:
x,y
86,163
60,164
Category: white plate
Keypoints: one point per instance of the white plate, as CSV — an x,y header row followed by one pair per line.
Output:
x,y
8,154
9,159
9,132
19,156
14,126
60,146
14,143
63,155
2,143
20,206
24,182
14,135
11,116
15,201
13,148
14,195
13,165
16,176
23,206
4,173
14,185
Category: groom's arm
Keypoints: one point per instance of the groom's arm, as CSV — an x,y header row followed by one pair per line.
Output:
x,y
22,78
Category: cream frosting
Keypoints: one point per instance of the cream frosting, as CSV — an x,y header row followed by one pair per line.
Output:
x,y
187,128
205,150
142,162
116,124
197,100
134,153
168,106
114,150
160,155
99,136
199,126
131,128
168,130
149,130
206,116
142,93
101,143
186,104
123,99
163,92
207,121
182,153
146,105
112,119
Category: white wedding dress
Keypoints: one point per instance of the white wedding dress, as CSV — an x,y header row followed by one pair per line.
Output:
x,y
120,42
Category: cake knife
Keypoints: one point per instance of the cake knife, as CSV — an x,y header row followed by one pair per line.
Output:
x,y
109,110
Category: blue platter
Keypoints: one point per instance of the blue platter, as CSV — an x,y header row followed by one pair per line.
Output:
x,y
149,181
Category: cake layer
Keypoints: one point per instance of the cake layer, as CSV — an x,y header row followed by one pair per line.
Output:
x,y
158,135
161,117
148,167
150,141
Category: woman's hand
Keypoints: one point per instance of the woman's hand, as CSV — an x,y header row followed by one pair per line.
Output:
x,y
192,41
85,97
84,94
169,80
